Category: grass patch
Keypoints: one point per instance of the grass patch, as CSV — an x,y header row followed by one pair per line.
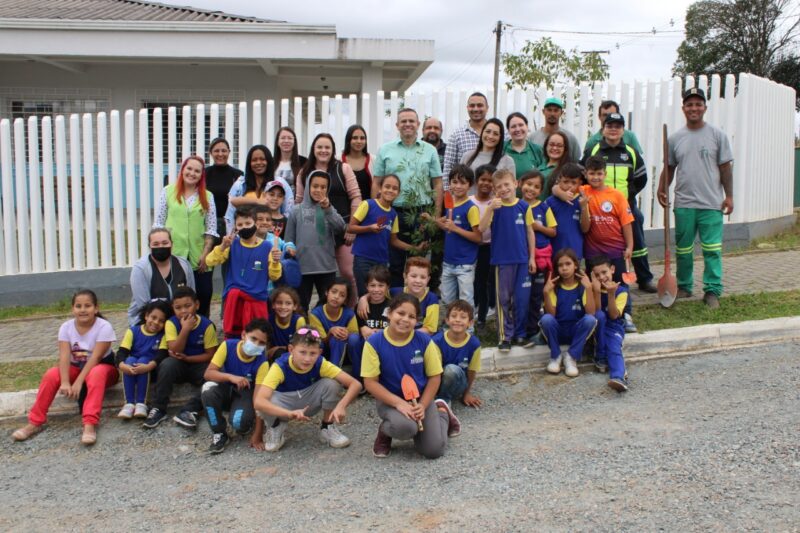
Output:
x,y
788,239
62,307
23,375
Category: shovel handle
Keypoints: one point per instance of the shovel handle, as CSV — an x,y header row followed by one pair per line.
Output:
x,y
419,422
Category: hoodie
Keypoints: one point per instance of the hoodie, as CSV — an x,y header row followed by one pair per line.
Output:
x,y
313,230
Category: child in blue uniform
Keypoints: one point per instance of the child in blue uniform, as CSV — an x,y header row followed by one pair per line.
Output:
x,y
191,342
284,319
544,227
513,255
610,300
461,357
572,217
388,356
136,357
300,384
378,280
334,321
569,308
417,275
230,377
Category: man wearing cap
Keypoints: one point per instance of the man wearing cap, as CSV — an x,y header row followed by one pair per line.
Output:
x,y
553,110
465,138
701,163
628,137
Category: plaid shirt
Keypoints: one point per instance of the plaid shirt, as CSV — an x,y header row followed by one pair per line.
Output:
x,y
461,141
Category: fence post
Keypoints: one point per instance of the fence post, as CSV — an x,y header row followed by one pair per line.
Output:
x,y
229,132
104,208
257,123
34,190
145,223
186,136
338,136
172,143
9,225
158,156
49,201
243,145
303,139
64,246
21,189
200,131
75,180
130,182
120,253
89,195
213,123
271,129
298,119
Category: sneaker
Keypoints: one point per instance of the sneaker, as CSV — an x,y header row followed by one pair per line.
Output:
x,y
383,445
333,437
619,385
683,293
218,443
711,300
601,366
186,419
504,346
140,411
554,366
154,418
275,437
536,340
649,287
491,312
570,367
453,424
519,341
126,413
630,327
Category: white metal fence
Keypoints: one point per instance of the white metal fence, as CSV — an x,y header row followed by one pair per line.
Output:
x,y
77,192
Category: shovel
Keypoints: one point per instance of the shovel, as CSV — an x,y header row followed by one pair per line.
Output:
x,y
667,284
629,277
449,204
411,393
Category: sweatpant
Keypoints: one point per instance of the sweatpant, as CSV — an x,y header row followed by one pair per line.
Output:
x,y
484,283
454,383
430,443
172,371
609,337
309,282
639,260
361,268
99,378
136,386
219,397
708,224
204,287
323,395
513,295
619,269
575,334
355,348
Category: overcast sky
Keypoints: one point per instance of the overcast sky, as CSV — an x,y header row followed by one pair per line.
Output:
x,y
463,30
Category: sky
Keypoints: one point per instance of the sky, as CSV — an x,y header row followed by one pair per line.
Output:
x,y
463,34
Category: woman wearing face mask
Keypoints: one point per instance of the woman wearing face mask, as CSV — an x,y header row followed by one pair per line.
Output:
x,y
344,195
156,275
220,177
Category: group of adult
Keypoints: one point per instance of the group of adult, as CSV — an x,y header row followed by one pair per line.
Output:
x,y
197,209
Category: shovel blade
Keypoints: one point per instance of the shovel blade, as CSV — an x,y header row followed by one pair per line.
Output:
x,y
629,278
410,389
667,290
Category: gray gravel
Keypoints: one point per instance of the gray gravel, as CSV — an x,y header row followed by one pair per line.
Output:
x,y
708,442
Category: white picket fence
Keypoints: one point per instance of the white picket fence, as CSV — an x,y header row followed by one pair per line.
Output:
x,y
77,192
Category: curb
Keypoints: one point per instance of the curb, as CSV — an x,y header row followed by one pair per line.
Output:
x,y
659,344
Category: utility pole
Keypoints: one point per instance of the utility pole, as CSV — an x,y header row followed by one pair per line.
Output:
x,y
498,31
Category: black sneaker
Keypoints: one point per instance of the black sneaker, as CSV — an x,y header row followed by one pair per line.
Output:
x,y
504,346
187,419
154,418
619,385
519,341
218,443
601,366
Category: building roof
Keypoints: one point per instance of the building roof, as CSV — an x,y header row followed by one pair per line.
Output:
x,y
119,10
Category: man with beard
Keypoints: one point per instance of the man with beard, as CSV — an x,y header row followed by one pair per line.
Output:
x,y
432,134
553,110
465,138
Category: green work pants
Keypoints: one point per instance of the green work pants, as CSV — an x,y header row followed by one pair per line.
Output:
x,y
708,223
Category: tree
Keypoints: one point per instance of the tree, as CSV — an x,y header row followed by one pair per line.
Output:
x,y
544,62
733,36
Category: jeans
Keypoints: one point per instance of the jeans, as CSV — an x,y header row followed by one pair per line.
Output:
x,y
454,383
458,281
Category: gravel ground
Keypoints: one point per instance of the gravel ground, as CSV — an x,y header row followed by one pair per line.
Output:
x,y
708,442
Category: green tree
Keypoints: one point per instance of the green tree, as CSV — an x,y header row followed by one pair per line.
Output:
x,y
733,36
544,62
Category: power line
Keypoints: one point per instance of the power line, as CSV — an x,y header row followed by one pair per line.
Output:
x,y
474,59
577,32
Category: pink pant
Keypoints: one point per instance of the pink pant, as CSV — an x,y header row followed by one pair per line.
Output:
x,y
97,381
344,260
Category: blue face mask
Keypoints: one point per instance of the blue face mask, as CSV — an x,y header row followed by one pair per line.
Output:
x,y
251,349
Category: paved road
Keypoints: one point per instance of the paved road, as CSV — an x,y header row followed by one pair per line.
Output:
x,y
708,442
36,339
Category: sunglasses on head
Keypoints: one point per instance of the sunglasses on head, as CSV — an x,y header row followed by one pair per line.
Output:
x,y
308,332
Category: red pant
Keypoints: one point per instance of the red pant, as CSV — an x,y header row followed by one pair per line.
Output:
x,y
97,381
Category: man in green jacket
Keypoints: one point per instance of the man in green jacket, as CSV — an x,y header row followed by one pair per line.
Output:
x,y
628,137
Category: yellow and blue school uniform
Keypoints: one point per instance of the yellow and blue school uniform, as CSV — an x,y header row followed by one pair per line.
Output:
x,y
428,309
543,214
510,254
388,360
142,347
610,334
568,218
458,358
282,333
570,325
320,320
202,337
457,249
284,376
230,359
249,267
375,246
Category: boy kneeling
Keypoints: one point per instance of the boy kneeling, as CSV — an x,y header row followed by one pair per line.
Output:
x,y
298,385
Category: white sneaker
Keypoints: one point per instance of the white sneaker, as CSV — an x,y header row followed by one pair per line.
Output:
x,y
333,437
141,411
126,413
275,438
570,367
491,312
554,366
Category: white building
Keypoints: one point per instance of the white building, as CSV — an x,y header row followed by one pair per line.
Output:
x,y
75,56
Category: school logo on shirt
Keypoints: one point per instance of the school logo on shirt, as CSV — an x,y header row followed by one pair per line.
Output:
x,y
606,207
519,220
257,265
457,219
464,363
577,306
417,359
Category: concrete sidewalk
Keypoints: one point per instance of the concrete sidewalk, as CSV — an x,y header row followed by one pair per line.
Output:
x,y
747,273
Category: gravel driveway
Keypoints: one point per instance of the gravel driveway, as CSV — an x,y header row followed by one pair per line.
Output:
x,y
708,442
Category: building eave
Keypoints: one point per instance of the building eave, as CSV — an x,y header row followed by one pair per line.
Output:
x,y
172,26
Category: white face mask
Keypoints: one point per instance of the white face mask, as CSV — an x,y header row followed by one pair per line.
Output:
x,y
252,349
